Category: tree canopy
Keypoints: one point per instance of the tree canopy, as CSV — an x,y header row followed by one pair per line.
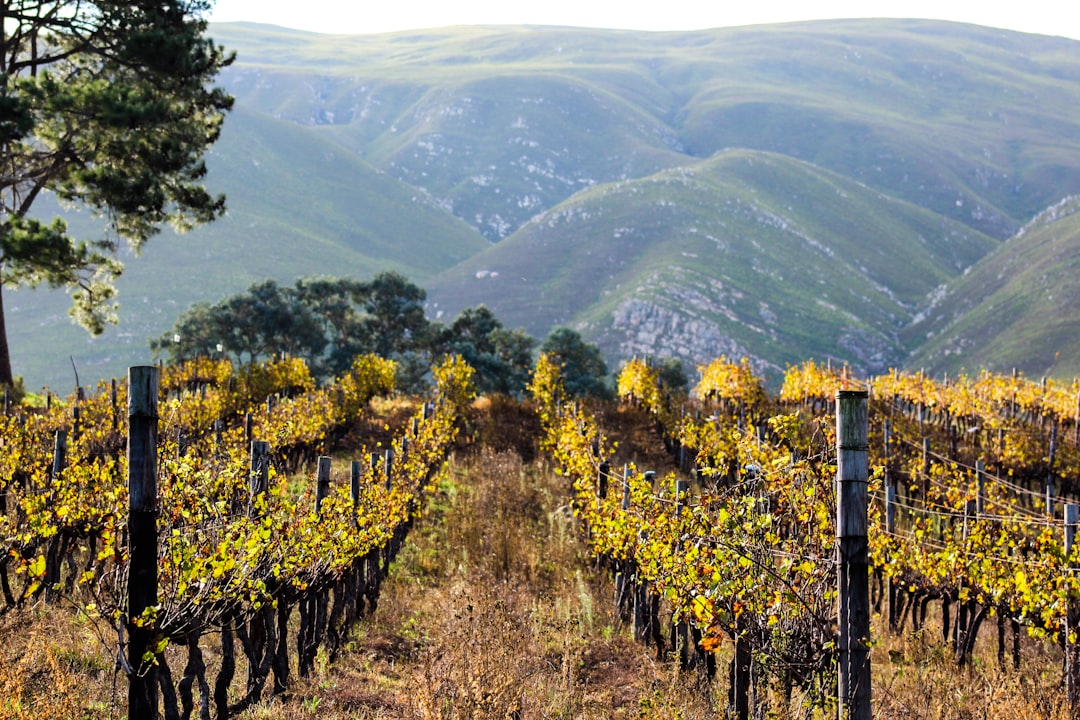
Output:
x,y
584,371
328,321
107,105
502,358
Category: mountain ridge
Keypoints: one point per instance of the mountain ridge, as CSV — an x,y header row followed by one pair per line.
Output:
x,y
427,151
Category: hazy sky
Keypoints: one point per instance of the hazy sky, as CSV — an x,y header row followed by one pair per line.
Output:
x,y
1048,17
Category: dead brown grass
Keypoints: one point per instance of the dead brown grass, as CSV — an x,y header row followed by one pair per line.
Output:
x,y
917,678
492,612
52,666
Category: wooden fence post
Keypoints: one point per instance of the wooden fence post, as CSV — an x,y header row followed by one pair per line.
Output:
x,y
1072,619
965,609
1076,421
264,644
601,483
142,536
890,530
260,468
1050,473
313,606
622,601
853,597
980,481
641,597
680,632
926,472
890,519
59,454
388,468
113,405
322,483
356,471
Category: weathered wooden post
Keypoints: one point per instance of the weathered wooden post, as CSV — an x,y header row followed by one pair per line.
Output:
x,y
322,483
641,600
853,597
262,623
965,610
980,481
313,606
259,482
682,489
1072,618
59,454
1076,421
890,522
601,483
681,630
113,401
356,471
388,468
1050,473
621,600
890,529
926,472
142,537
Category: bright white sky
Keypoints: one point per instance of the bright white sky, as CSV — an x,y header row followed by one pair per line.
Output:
x,y
1047,17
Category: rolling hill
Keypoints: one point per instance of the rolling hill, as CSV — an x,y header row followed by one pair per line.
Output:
x,y
746,253
1016,308
788,191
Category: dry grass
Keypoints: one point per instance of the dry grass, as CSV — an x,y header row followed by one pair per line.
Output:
x,y
917,678
53,666
492,612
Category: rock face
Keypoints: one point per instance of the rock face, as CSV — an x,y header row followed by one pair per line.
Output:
x,y
871,353
688,329
642,328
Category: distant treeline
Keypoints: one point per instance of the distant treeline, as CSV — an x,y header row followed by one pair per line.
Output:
x,y
328,321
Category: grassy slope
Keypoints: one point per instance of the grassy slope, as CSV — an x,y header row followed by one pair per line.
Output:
x,y
1016,308
974,123
939,114
298,205
498,125
785,258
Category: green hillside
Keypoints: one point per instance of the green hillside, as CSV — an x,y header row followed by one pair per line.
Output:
x,y
747,253
783,191
1015,309
298,205
500,123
